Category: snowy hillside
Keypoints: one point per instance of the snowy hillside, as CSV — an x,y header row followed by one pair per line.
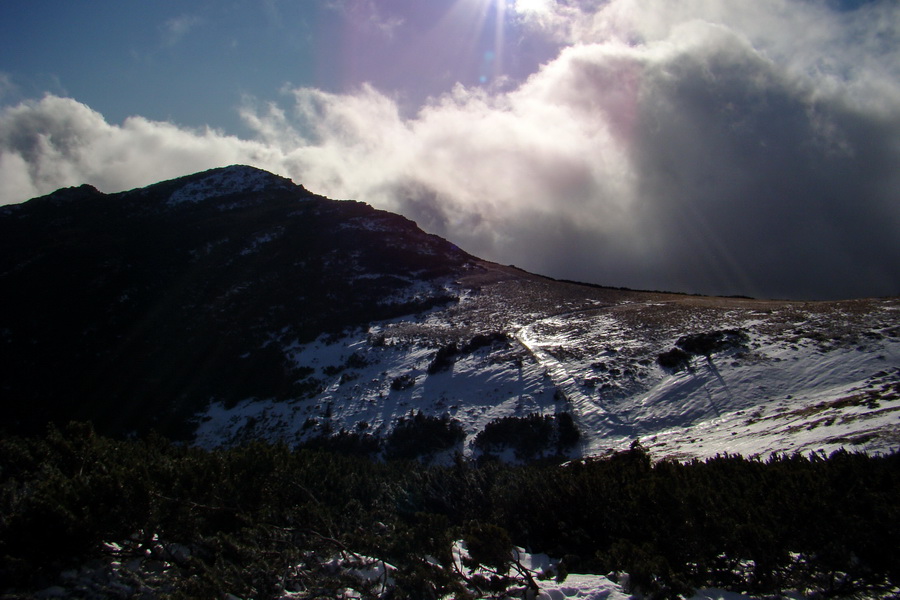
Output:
x,y
800,377
233,304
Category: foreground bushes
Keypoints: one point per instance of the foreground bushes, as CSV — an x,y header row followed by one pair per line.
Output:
x,y
259,519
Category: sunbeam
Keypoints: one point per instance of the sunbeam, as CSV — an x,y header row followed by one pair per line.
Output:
x,y
476,30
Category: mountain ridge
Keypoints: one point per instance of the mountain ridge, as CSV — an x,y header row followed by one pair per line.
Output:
x,y
249,307
187,267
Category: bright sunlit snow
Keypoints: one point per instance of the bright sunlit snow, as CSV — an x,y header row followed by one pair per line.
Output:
x,y
810,378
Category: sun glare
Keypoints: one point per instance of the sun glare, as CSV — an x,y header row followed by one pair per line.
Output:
x,y
531,6
478,28
480,12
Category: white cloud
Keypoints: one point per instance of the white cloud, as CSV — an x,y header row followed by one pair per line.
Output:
x,y
698,146
177,28
7,86
57,142
366,15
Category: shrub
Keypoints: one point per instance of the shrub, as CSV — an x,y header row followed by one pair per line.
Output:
x,y
482,340
357,360
706,344
701,344
443,359
261,519
420,435
403,382
530,436
674,360
568,431
346,442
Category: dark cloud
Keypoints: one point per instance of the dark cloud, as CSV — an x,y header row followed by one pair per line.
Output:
x,y
752,182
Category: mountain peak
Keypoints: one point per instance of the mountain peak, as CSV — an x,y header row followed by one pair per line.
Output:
x,y
225,181
68,194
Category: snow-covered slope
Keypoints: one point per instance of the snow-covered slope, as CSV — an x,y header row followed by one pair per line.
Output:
x,y
804,376
233,304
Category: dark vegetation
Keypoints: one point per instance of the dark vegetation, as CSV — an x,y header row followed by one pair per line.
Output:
x,y
417,436
702,344
708,343
261,519
448,353
421,435
403,382
530,437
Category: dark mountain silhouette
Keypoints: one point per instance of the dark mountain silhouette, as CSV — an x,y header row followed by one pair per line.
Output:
x,y
136,309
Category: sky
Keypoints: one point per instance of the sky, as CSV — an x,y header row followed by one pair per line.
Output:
x,y
700,146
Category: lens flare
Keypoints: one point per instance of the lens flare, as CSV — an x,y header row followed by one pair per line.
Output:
x,y
481,37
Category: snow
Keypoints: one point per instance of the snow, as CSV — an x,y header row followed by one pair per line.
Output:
x,y
364,394
587,587
542,570
262,239
147,577
236,179
384,224
811,378
370,572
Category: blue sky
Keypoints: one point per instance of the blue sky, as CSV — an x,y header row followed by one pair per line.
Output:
x,y
195,62
701,146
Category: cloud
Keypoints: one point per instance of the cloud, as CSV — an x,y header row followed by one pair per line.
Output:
x,y
57,142
698,146
366,15
696,154
177,28
7,87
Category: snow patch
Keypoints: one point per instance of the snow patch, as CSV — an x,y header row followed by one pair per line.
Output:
x,y
262,239
236,179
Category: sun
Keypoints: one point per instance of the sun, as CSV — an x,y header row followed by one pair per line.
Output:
x,y
531,6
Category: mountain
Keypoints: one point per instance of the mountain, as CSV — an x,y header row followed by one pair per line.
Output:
x,y
233,304
135,309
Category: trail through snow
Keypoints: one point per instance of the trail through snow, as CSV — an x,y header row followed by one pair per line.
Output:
x,y
592,420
